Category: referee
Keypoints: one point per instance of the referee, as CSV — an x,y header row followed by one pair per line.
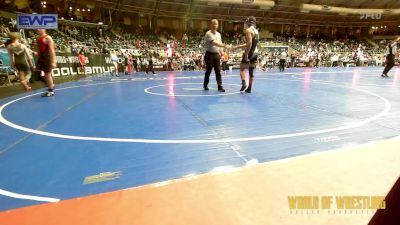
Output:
x,y
282,61
213,54
391,52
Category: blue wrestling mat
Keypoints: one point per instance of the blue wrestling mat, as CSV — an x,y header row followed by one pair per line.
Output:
x,y
108,133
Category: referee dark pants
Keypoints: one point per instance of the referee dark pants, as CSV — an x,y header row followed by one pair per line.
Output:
x,y
150,67
212,60
282,63
389,63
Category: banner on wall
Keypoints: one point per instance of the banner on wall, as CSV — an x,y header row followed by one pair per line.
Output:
x,y
4,58
68,65
37,21
274,49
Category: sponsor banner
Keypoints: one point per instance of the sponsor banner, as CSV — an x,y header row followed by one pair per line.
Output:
x,y
37,21
4,58
68,65
276,48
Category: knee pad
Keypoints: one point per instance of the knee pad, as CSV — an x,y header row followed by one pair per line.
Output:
x,y
251,72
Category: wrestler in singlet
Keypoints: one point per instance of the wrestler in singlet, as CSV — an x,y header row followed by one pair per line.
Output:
x,y
250,55
46,60
43,63
253,53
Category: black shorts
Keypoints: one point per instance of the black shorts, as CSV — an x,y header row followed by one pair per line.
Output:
x,y
252,59
44,64
251,62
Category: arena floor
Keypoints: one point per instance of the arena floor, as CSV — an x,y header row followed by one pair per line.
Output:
x,y
153,149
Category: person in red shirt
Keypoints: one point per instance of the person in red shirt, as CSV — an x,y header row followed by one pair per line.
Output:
x,y
46,59
82,62
130,62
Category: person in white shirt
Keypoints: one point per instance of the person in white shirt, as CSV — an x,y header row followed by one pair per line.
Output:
x,y
391,51
282,61
212,58
335,60
114,60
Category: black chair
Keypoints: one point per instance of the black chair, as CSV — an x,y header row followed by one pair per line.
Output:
x,y
6,73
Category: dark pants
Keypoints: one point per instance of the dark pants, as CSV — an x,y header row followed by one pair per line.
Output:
x,y
389,63
225,66
212,60
293,62
150,68
282,63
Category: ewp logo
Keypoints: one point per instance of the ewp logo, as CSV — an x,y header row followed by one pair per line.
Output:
x,y
37,21
374,16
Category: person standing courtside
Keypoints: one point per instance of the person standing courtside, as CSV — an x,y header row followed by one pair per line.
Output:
x,y
212,58
46,60
282,61
391,54
82,62
150,61
114,60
